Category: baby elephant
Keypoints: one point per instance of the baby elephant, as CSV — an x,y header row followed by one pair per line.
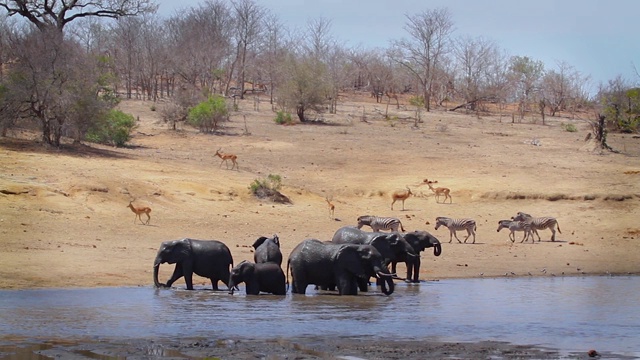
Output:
x,y
261,277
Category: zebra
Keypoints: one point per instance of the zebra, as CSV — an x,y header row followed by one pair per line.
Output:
x,y
514,226
539,223
457,224
380,223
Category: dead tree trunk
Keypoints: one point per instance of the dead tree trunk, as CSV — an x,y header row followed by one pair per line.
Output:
x,y
599,129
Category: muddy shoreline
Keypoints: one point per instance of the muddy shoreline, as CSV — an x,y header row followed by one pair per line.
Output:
x,y
296,348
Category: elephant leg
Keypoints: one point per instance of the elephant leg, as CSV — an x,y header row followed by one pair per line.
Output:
x,y
214,283
363,285
415,266
188,276
177,274
346,285
298,286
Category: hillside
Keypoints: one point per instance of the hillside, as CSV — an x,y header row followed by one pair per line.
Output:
x,y
65,221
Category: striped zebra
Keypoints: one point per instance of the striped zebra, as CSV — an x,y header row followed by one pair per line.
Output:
x,y
457,224
514,226
539,223
380,223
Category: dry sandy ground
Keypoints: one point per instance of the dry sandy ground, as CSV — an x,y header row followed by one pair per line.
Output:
x,y
64,220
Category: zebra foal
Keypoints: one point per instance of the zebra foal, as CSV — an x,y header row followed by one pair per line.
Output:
x,y
539,223
514,226
457,224
380,223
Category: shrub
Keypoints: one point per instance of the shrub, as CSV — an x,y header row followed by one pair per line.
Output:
x,y
208,114
569,127
268,189
271,182
283,118
113,128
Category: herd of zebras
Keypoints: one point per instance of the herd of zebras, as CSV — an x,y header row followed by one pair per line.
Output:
x,y
521,222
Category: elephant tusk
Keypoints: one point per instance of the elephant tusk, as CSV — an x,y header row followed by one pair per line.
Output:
x,y
381,274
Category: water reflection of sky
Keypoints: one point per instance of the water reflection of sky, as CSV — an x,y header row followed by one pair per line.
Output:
x,y
568,313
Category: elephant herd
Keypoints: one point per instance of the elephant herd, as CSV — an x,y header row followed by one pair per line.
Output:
x,y
346,263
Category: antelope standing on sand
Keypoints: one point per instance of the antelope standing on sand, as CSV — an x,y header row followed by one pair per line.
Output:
x,y
439,191
331,207
400,195
138,211
226,157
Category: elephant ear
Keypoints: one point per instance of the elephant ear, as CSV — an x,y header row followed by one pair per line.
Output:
x,y
350,260
393,239
247,268
259,241
419,240
182,248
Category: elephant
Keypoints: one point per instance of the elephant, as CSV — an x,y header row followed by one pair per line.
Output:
x,y
392,246
267,250
258,277
207,258
419,241
345,266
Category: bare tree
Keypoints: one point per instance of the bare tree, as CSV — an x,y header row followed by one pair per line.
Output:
x,y
474,57
563,88
525,74
53,83
4,44
273,52
248,17
57,87
46,15
421,54
200,50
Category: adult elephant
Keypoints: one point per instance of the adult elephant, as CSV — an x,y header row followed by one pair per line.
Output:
x,y
267,250
258,277
345,266
392,246
206,258
419,241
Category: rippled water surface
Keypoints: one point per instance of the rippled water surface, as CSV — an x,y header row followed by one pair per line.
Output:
x,y
566,313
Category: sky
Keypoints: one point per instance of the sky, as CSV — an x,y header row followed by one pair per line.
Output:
x,y
598,38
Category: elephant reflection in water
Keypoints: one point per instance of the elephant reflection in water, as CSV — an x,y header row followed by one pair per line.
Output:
x,y
345,266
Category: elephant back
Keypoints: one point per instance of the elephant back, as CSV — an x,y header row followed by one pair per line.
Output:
x,y
268,252
350,235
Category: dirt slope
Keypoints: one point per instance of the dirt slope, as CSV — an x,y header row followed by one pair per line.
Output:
x,y
64,220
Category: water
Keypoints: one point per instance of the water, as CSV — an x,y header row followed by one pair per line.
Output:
x,y
571,314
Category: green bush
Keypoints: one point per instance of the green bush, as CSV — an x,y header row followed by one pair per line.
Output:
x,y
569,127
283,118
208,114
417,101
113,128
271,182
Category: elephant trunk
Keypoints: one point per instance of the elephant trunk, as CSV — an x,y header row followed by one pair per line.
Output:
x,y
387,280
437,249
156,267
232,286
